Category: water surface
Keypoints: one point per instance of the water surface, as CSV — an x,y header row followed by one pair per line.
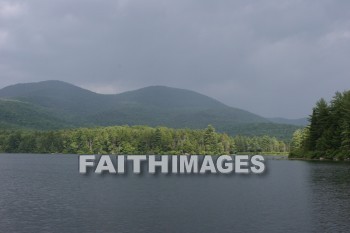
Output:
x,y
45,193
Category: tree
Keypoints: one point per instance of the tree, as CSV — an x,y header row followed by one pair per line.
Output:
x,y
210,140
328,134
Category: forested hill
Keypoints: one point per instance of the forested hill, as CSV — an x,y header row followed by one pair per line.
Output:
x,y
299,122
328,134
57,104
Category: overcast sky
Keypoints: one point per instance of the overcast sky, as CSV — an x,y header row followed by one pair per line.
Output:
x,y
271,57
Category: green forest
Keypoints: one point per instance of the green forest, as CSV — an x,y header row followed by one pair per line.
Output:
x,y
136,140
328,134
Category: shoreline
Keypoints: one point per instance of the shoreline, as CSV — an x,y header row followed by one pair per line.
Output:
x,y
320,159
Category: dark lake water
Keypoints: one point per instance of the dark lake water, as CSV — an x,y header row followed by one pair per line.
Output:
x,y
45,193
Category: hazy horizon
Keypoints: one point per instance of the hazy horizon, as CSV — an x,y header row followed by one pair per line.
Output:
x,y
273,58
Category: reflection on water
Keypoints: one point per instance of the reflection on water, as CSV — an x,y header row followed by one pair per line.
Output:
x,y
45,193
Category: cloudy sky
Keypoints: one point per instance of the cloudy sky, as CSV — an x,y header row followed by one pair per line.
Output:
x,y
271,57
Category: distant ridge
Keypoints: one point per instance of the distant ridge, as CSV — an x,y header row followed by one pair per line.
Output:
x,y
169,97
66,105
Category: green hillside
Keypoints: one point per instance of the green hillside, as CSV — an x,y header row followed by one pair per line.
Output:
x,y
299,122
16,114
57,104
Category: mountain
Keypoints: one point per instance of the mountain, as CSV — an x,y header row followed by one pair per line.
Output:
x,y
57,104
300,121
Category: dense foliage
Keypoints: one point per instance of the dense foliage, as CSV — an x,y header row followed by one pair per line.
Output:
x,y
135,140
328,135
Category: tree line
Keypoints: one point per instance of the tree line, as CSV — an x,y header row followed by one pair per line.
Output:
x,y
328,134
135,140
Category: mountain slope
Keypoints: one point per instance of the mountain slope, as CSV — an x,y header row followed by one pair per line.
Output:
x,y
168,97
299,122
159,105
17,114
65,105
56,95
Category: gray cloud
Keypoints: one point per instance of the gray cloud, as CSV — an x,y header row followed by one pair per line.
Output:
x,y
274,58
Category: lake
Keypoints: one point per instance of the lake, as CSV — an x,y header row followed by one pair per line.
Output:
x,y
46,193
